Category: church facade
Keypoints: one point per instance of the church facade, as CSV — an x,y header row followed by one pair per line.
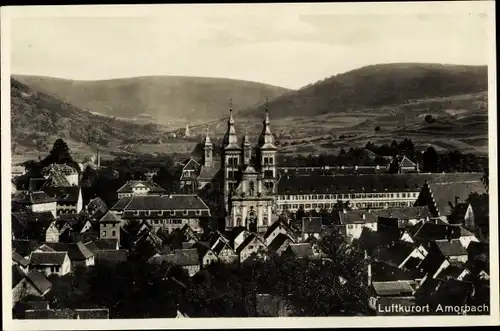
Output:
x,y
241,186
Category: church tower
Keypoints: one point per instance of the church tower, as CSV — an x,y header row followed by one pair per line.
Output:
x,y
267,155
207,152
231,158
246,146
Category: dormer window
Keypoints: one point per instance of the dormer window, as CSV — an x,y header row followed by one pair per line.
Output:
x,y
172,212
185,212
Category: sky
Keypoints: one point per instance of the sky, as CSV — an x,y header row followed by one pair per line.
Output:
x,y
285,45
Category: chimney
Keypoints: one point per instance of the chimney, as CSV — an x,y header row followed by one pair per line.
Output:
x,y
98,159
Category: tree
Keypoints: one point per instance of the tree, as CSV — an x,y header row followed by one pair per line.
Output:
x,y
430,160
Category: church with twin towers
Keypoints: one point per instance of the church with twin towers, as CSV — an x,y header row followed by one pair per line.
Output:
x,y
246,176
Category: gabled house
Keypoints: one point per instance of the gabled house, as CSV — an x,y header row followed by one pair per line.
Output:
x,y
401,164
189,174
33,283
78,253
63,173
279,244
382,295
400,253
442,196
352,222
95,209
252,244
50,262
275,229
225,252
139,188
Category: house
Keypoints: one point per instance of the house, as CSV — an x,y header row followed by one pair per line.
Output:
x,y
50,262
401,164
442,195
33,283
301,250
165,211
400,253
109,227
69,173
188,259
20,261
95,209
236,236
225,252
252,244
435,229
381,271
452,250
352,222
24,247
36,202
275,229
94,313
189,176
78,253
311,226
39,226
279,244
382,295
69,199
139,188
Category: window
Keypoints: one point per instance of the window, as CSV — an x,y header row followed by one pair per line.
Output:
x,y
314,197
265,221
308,206
414,195
198,212
392,195
103,233
172,212
113,233
295,206
185,212
404,195
250,247
350,226
314,205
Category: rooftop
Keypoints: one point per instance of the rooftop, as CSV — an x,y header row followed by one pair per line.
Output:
x,y
392,288
47,258
450,248
30,197
182,257
311,224
161,202
63,194
39,281
447,194
357,217
131,184
370,183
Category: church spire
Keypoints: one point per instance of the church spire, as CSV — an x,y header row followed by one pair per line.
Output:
x,y
266,139
230,139
207,138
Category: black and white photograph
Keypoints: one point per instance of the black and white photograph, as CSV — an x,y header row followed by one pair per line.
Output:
x,y
201,162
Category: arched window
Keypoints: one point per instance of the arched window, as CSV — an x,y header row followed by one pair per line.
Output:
x,y
264,221
251,188
238,221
